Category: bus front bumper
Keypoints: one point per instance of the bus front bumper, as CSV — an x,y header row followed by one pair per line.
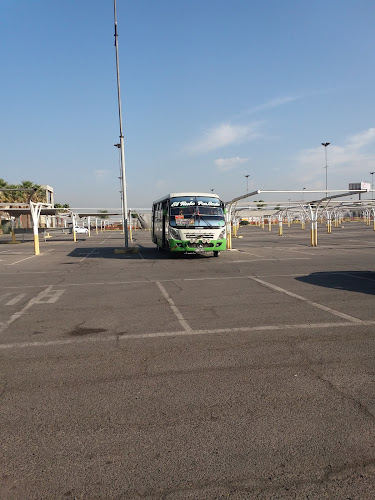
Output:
x,y
187,246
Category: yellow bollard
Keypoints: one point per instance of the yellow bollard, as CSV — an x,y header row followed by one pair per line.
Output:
x,y
229,240
36,244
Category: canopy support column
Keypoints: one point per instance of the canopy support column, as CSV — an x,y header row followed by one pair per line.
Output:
x,y
35,209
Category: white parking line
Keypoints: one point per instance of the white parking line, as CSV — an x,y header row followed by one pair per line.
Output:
x,y
15,299
88,255
355,276
178,314
183,333
31,256
20,313
101,243
315,304
274,259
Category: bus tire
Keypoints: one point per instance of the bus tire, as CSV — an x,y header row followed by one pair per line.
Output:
x,y
216,253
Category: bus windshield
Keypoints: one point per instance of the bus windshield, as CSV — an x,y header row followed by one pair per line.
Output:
x,y
196,211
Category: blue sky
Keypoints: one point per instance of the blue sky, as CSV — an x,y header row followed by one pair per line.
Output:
x,y
211,90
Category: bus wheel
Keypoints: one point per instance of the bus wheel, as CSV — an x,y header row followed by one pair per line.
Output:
x,y
216,253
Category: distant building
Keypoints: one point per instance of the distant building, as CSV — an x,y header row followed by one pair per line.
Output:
x,y
49,194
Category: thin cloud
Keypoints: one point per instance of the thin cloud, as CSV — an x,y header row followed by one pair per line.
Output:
x,y
223,135
225,164
273,103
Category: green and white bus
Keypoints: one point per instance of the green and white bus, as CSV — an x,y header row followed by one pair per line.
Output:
x,y
189,222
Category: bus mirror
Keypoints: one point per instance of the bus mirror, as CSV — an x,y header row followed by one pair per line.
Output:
x,y
165,211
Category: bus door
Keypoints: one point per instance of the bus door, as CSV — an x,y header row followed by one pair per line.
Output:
x,y
165,221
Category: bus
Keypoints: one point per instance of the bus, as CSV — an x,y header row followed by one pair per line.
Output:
x,y
189,222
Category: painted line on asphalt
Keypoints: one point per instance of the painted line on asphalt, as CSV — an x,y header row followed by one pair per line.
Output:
x,y
310,302
175,309
88,255
274,259
183,333
11,253
297,251
101,243
139,252
33,272
20,313
171,280
31,256
249,253
355,276
15,299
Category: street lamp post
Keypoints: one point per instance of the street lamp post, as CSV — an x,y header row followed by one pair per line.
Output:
x,y
247,183
122,152
372,185
325,144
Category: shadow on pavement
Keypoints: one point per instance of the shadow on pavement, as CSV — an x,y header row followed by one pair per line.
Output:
x,y
138,252
352,281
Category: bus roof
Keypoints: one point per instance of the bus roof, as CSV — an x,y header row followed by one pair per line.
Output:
x,y
177,195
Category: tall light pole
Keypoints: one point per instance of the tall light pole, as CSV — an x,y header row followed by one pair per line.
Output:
x,y
325,144
124,204
247,183
372,185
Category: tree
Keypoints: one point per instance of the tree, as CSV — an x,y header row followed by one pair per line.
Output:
x,y
260,204
21,196
65,206
103,212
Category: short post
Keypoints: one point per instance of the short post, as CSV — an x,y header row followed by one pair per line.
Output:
x,y
228,226
130,225
280,226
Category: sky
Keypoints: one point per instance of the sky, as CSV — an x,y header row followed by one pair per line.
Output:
x,y
211,90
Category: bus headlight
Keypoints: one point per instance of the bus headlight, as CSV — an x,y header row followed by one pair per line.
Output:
x,y
173,233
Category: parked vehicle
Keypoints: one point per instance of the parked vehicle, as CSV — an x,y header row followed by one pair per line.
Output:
x,y
80,230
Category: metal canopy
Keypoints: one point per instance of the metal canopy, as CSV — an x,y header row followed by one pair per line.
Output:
x,y
16,212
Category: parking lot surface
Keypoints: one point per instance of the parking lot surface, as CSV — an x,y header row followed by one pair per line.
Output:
x,y
142,375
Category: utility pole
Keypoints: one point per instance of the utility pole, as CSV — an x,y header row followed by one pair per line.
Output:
x,y
124,204
325,144
247,183
372,185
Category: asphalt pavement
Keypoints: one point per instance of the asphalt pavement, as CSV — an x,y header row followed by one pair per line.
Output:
x,y
141,375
